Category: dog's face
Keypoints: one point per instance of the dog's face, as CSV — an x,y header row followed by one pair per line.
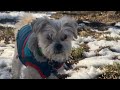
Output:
x,y
55,36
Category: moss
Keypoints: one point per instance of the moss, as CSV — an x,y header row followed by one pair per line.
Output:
x,y
77,53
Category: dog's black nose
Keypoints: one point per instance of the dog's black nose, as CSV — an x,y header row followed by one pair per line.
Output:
x,y
58,48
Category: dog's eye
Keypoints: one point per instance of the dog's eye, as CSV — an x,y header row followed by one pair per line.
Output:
x,y
64,38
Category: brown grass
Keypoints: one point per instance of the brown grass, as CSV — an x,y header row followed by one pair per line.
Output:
x,y
101,16
7,35
110,71
112,38
87,33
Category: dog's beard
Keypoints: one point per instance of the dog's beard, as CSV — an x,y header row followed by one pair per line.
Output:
x,y
48,52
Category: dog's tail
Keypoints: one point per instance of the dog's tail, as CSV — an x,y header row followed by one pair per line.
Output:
x,y
25,19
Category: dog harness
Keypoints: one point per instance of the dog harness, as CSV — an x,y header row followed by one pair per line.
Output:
x,y
27,57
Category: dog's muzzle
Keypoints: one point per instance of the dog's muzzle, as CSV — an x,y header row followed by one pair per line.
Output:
x,y
58,48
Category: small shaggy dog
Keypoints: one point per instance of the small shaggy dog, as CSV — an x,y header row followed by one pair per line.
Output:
x,y
43,46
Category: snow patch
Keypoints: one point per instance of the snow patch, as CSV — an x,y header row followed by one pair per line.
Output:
x,y
114,32
83,73
89,54
7,25
117,24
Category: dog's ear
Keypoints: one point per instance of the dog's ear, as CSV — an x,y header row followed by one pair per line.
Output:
x,y
71,24
39,24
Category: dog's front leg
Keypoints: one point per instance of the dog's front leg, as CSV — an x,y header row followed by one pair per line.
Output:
x,y
16,68
31,73
16,65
